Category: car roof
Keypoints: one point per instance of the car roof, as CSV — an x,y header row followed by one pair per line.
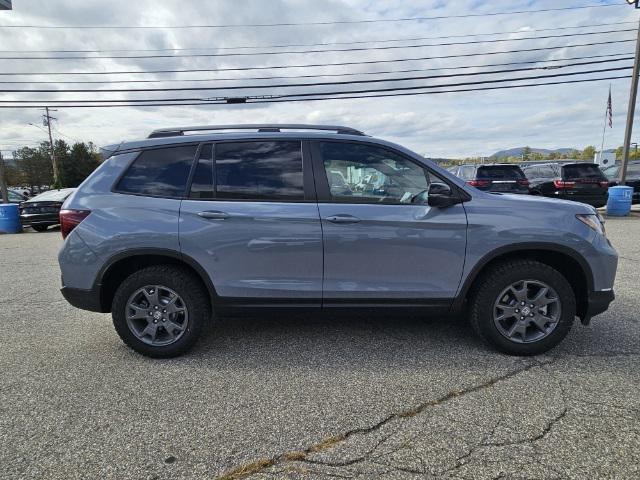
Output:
x,y
205,133
478,165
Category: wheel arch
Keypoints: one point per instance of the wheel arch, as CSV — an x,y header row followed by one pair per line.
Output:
x,y
570,263
123,264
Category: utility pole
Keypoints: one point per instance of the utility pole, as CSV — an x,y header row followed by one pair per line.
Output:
x,y
48,119
631,110
3,182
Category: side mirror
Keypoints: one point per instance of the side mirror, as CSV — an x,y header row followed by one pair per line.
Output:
x,y
440,195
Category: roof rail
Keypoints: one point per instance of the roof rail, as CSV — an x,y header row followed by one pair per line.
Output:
x,y
260,127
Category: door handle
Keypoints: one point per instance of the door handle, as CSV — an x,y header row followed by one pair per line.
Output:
x,y
213,215
342,218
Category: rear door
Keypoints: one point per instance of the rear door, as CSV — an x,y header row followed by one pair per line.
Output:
x,y
252,222
379,248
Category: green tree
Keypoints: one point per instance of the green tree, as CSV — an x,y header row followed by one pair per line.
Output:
x,y
75,163
588,153
526,153
34,165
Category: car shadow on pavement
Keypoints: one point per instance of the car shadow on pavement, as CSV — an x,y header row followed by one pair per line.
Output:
x,y
338,341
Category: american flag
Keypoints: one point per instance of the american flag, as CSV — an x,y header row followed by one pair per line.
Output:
x,y
609,110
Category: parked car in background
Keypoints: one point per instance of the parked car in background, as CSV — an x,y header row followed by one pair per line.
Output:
x,y
578,181
42,211
178,227
498,177
633,177
15,197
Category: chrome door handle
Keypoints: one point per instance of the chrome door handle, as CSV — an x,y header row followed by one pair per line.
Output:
x,y
213,215
341,218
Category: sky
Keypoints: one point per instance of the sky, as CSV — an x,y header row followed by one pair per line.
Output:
x,y
451,125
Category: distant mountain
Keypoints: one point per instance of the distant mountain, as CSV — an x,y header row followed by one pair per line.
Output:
x,y
516,152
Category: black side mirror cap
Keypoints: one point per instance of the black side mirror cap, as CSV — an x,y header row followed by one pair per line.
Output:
x,y
441,196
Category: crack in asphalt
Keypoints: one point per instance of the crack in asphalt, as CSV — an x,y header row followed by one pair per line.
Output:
x,y
261,465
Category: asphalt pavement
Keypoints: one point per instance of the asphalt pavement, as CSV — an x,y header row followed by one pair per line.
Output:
x,y
310,398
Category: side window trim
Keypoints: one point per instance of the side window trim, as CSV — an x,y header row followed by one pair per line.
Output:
x,y
322,182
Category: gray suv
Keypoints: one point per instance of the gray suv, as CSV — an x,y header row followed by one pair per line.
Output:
x,y
200,222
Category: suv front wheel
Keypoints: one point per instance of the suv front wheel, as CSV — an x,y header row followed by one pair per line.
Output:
x,y
159,311
523,307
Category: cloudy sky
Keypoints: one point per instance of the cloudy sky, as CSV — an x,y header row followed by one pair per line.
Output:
x,y
475,123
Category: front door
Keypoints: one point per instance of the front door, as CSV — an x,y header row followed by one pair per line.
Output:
x,y
252,222
379,247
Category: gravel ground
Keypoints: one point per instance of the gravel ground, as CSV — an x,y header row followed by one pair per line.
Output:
x,y
310,398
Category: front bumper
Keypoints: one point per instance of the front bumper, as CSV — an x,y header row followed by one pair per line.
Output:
x,y
83,299
597,302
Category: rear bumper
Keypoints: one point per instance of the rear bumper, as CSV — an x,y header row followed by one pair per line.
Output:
x,y
39,219
597,302
593,200
83,299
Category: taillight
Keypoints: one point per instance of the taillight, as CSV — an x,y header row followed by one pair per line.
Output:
x,y
70,219
523,182
604,183
478,183
560,184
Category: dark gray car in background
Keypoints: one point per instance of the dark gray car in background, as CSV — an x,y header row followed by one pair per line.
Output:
x,y
200,222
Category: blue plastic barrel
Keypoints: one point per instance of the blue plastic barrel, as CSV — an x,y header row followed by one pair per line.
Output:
x,y
10,218
619,202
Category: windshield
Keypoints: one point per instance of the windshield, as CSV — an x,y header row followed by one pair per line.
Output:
x,y
588,170
613,172
52,195
15,197
500,172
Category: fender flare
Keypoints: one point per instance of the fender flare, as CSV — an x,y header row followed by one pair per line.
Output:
x,y
520,247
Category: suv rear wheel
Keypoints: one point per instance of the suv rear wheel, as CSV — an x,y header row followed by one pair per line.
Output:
x,y
523,307
159,311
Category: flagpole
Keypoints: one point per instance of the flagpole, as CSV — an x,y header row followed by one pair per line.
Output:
x,y
604,127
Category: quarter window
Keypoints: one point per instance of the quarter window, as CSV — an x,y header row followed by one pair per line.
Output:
x,y
160,172
359,173
259,170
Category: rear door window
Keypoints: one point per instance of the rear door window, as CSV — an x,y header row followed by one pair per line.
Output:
x,y
582,171
159,172
546,171
500,172
259,170
467,173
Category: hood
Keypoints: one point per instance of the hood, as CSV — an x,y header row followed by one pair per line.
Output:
x,y
522,201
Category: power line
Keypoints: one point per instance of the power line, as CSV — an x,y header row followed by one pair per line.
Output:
x,y
291,24
321,44
330,75
291,85
298,52
334,64
221,102
333,93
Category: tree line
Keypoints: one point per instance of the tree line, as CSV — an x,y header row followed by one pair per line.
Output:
x,y
33,166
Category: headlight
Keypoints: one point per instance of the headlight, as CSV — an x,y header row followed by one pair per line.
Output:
x,y
593,221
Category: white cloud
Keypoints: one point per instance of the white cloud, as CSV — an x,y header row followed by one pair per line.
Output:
x,y
450,125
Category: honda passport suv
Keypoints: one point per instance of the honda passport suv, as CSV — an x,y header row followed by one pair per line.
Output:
x,y
202,222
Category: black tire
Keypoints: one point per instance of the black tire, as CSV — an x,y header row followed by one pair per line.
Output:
x,y
40,228
181,281
492,283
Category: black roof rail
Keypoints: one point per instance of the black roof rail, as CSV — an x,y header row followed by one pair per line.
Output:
x,y
260,127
